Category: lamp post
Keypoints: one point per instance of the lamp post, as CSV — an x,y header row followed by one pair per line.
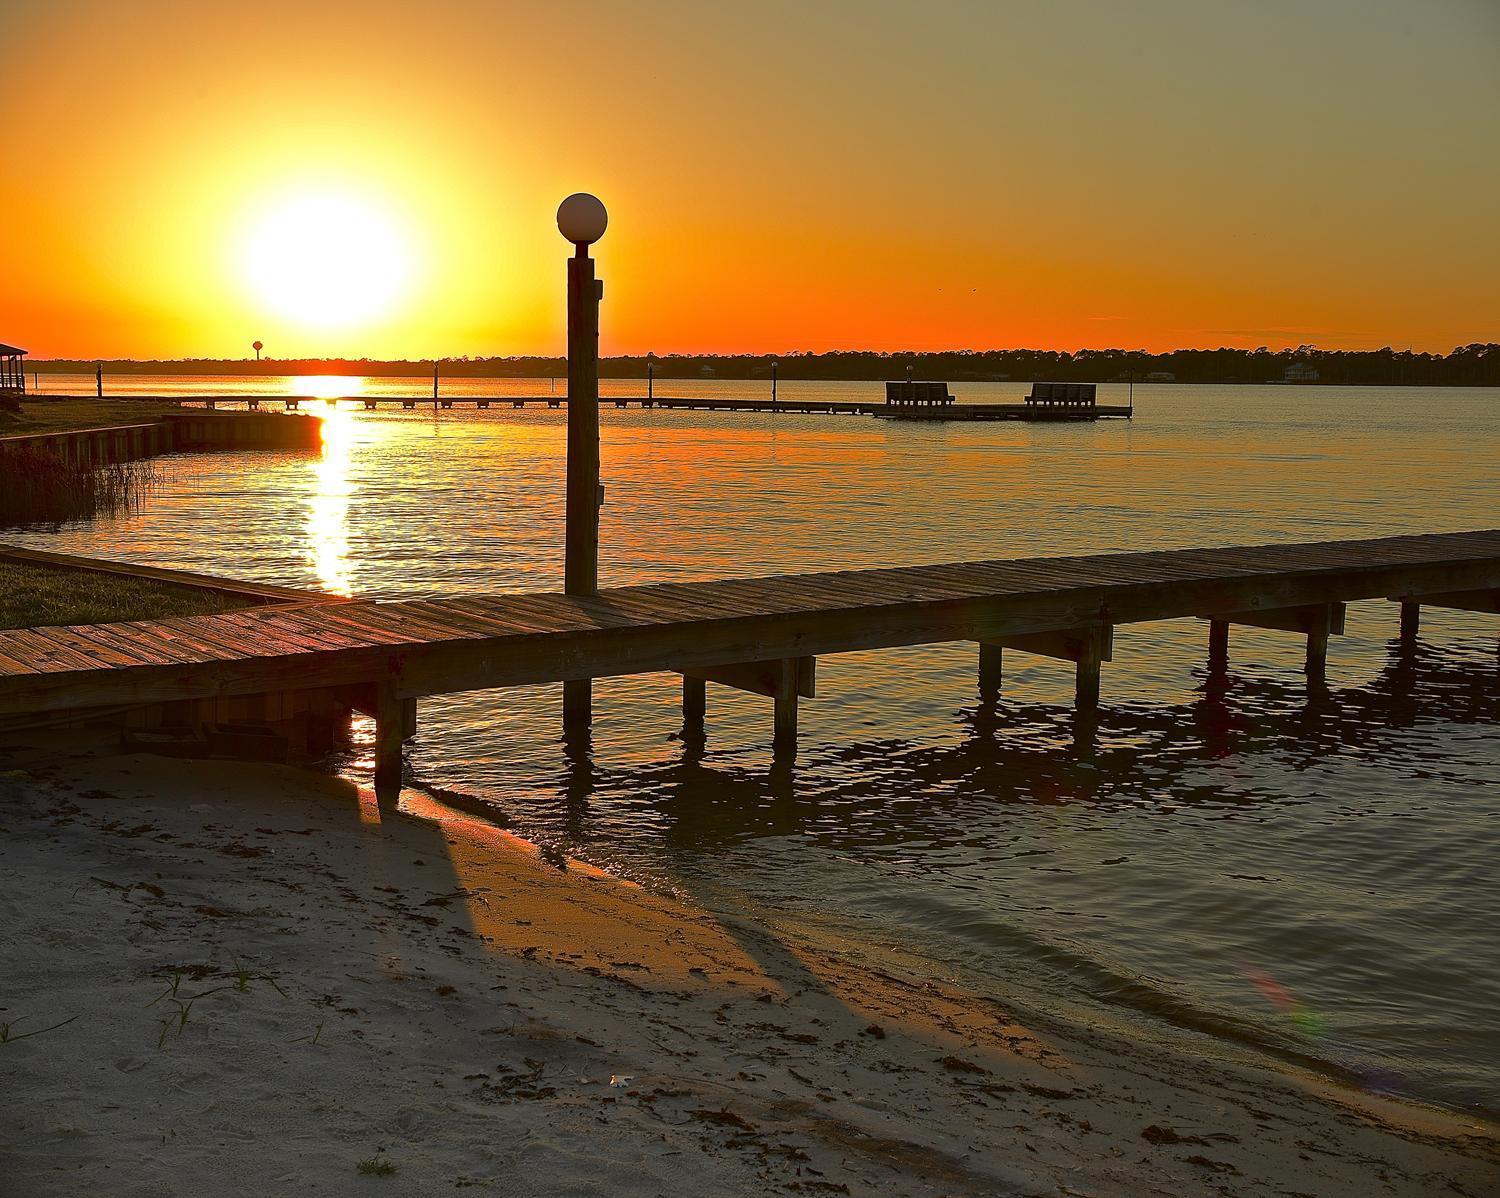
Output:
x,y
581,218
774,364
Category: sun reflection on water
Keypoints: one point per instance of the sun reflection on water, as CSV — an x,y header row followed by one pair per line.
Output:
x,y
328,506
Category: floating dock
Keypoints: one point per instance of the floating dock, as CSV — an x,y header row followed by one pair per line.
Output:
x,y
1006,411
761,635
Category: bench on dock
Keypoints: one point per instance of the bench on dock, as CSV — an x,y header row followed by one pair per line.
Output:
x,y
917,395
1063,395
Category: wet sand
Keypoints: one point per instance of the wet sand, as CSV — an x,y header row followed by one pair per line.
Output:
x,y
266,985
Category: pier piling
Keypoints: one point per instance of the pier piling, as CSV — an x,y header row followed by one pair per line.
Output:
x,y
694,702
990,669
391,715
1218,646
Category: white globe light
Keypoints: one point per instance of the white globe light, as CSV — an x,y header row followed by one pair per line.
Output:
x,y
581,218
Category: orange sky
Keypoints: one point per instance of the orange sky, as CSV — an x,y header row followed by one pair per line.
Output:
x,y
780,176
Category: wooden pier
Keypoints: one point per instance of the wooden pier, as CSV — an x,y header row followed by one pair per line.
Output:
x,y
688,403
761,635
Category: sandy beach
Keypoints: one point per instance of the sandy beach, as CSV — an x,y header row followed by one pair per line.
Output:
x,y
253,980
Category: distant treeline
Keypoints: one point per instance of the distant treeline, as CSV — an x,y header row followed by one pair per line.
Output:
x,y
1475,365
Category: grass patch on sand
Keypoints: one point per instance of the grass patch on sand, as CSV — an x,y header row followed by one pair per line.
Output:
x,y
33,595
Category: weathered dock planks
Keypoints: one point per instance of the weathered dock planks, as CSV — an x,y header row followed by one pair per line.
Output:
x,y
759,634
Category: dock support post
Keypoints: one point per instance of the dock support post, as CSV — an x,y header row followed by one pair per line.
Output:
x,y
1316,621
1086,647
1086,684
578,704
1411,620
781,680
785,736
694,702
990,666
1218,646
1317,652
393,717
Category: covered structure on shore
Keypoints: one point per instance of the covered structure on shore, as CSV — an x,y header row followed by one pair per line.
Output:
x,y
12,376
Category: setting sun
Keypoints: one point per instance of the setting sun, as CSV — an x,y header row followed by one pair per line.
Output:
x,y
735,598
327,259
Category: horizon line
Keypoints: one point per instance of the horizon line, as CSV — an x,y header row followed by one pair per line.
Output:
x,y
775,356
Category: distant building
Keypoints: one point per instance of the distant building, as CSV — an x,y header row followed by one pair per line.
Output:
x,y
1301,372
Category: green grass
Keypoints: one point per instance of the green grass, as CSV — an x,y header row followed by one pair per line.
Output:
x,y
375,1167
56,416
33,595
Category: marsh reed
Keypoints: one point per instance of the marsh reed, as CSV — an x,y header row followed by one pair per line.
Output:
x,y
41,487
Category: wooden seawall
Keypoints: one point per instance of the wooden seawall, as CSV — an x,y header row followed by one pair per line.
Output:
x,y
189,429
762,635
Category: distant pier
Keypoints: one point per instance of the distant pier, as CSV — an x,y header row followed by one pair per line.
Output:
x,y
835,407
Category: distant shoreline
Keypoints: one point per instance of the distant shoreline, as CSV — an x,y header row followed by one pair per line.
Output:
x,y
1476,365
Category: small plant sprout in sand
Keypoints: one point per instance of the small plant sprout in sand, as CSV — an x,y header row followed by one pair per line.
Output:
x,y
8,1034
241,979
376,1166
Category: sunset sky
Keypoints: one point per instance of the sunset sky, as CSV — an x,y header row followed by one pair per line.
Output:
x,y
380,178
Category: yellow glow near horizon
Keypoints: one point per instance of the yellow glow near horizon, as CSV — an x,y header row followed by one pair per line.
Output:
x,y
1211,174
326,258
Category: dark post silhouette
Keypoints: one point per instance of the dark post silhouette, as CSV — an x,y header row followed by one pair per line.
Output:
x,y
774,365
650,376
582,220
99,379
434,384
1411,621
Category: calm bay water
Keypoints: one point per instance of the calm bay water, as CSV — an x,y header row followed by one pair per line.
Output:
x,y
1310,876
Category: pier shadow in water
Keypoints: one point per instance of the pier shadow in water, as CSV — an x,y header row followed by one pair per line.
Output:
x,y
1014,752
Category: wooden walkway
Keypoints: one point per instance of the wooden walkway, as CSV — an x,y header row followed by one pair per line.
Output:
x,y
759,634
837,407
